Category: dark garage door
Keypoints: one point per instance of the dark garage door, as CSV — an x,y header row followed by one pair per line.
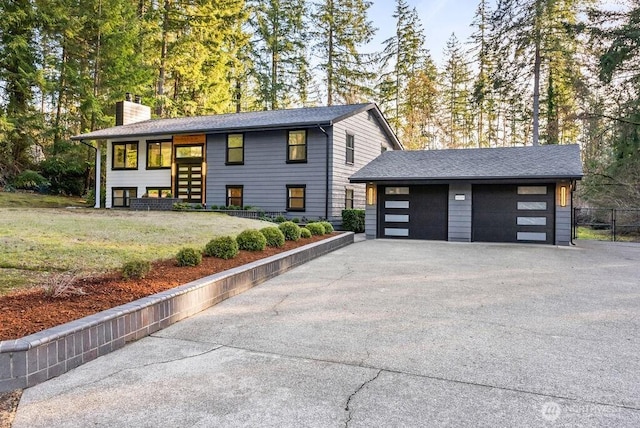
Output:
x,y
413,212
511,213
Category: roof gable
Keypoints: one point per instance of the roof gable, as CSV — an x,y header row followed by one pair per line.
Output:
x,y
552,161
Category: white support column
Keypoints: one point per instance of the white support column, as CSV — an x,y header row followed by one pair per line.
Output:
x,y
98,186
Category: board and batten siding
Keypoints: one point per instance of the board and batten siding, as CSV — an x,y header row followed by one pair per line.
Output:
x,y
266,173
140,178
459,226
369,139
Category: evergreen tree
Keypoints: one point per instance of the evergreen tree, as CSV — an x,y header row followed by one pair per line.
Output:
x,y
20,76
279,52
403,55
533,37
342,29
456,90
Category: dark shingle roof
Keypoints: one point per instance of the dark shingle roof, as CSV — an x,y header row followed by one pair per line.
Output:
x,y
474,164
272,119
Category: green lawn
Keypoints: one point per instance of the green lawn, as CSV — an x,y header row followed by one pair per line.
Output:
x,y
34,242
589,234
34,200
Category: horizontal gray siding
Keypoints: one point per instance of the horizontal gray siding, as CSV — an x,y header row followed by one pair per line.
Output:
x,y
460,213
369,140
563,218
266,173
371,221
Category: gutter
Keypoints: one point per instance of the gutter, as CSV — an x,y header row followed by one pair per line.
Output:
x,y
93,136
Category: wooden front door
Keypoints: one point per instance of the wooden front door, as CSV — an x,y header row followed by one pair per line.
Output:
x,y
189,180
189,183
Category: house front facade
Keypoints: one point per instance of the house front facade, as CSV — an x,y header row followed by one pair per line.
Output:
x,y
296,161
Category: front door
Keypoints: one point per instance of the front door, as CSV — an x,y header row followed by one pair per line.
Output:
x,y
189,181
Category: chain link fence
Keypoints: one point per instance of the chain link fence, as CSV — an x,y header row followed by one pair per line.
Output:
x,y
609,224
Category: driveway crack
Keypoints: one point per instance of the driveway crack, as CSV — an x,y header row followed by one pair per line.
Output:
x,y
347,408
274,307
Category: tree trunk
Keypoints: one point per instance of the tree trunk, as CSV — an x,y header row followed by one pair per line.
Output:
x,y
163,58
536,93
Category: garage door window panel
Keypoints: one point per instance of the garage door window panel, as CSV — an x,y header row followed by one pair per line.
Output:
x,y
533,206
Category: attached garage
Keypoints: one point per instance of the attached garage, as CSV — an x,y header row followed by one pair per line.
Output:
x,y
512,213
515,194
426,206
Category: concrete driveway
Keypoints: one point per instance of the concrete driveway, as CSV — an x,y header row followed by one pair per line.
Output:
x,y
381,334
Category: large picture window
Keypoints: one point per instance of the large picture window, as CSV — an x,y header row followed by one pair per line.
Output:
x,y
296,197
235,149
158,154
235,196
125,155
297,146
350,155
121,196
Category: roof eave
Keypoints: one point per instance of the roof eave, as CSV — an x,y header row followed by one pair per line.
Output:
x,y
484,178
202,131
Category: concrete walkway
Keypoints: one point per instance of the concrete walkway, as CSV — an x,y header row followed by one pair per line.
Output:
x,y
385,333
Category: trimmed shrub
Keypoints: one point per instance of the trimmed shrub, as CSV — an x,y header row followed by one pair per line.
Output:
x,y
290,230
188,257
305,233
136,269
224,247
353,220
316,228
280,219
328,227
274,236
251,240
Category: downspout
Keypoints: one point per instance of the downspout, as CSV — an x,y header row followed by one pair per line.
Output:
x,y
98,168
326,178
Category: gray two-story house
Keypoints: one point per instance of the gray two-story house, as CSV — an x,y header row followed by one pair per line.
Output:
x,y
296,161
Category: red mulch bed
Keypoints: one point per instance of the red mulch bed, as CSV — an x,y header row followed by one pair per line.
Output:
x,y
29,311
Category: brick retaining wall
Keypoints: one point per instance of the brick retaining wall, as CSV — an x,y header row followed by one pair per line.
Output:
x,y
41,356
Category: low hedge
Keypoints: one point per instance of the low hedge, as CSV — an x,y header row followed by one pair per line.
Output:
x,y
188,257
274,236
251,240
224,247
353,220
316,228
290,230
305,233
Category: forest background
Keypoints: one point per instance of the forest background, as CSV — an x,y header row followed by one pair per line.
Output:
x,y
532,72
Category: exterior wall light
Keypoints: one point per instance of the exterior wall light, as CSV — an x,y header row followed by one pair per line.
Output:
x,y
563,196
371,194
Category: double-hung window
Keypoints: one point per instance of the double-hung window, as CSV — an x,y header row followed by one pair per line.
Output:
x,y
125,155
297,146
121,196
235,149
158,154
296,197
348,199
235,196
350,154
